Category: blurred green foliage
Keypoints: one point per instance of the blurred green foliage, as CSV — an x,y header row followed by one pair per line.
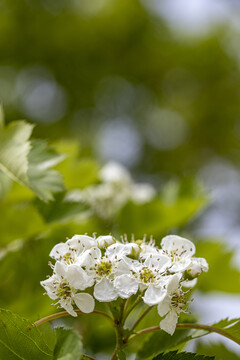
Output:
x,y
116,62
79,72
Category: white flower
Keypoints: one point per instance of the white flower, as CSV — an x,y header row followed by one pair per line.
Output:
x,y
122,269
114,172
157,285
148,275
142,193
148,249
105,241
58,288
69,251
180,251
196,267
171,304
100,269
119,250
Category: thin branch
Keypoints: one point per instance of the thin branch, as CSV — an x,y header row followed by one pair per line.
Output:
x,y
189,326
85,356
65,313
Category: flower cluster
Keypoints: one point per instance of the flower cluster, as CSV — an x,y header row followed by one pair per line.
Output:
x,y
115,190
102,268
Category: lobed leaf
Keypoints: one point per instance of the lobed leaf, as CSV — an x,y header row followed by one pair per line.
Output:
x,y
29,162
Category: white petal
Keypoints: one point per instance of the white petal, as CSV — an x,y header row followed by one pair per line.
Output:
x,y
173,282
154,295
180,265
88,258
48,285
85,302
123,268
133,265
59,250
169,323
61,269
79,278
183,247
126,285
164,305
105,241
104,291
81,243
160,262
66,304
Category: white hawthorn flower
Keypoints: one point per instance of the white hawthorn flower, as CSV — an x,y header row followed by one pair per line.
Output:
x,y
145,275
114,172
172,303
151,276
69,251
196,267
101,270
58,288
179,250
105,241
142,193
148,248
120,250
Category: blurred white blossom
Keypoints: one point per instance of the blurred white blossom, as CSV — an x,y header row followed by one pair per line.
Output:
x,y
107,198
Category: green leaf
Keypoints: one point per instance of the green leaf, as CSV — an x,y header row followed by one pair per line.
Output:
x,y
219,350
14,149
60,209
43,180
160,341
19,339
157,217
68,346
19,220
222,274
77,172
29,162
5,184
174,355
229,328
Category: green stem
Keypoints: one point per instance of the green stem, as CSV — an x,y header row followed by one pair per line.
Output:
x,y
128,311
119,330
136,324
65,313
188,326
